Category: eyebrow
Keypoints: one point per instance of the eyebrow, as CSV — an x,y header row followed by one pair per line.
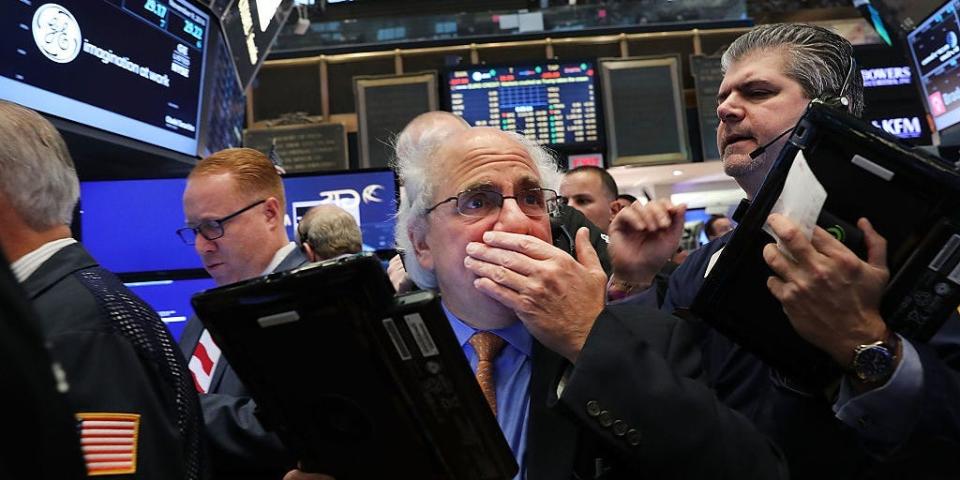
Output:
x,y
748,85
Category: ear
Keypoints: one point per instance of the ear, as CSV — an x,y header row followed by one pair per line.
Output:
x,y
615,208
308,251
417,232
273,211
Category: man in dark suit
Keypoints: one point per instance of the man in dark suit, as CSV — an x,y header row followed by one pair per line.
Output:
x,y
579,390
234,205
899,420
120,370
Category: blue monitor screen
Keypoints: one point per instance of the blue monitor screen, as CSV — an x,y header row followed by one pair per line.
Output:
x,y
369,195
129,225
553,103
134,68
171,299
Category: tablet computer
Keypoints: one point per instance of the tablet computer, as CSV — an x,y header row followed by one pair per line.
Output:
x,y
357,382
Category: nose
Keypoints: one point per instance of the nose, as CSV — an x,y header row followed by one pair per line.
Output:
x,y
202,245
730,109
511,218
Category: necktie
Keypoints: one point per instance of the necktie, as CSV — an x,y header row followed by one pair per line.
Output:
x,y
488,346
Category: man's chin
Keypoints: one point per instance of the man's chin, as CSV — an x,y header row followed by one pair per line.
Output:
x,y
738,165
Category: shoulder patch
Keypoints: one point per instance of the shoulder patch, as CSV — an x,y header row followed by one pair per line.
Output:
x,y
109,442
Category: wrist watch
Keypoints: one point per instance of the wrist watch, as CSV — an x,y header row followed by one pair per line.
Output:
x,y
875,362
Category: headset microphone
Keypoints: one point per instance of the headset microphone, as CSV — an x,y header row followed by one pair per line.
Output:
x,y
763,148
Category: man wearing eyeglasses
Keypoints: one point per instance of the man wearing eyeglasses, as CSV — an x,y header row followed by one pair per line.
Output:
x,y
580,390
234,208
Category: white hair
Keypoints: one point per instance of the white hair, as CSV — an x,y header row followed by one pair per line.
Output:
x,y
36,172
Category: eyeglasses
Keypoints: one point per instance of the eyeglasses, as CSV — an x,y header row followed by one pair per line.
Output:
x,y
210,229
534,202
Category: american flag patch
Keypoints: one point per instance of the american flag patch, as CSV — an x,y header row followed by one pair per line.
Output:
x,y
109,442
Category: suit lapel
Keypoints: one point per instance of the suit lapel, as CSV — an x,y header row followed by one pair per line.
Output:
x,y
551,438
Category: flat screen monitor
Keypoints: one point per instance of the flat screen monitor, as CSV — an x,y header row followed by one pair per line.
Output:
x,y
892,101
129,225
130,68
935,47
170,298
370,195
553,103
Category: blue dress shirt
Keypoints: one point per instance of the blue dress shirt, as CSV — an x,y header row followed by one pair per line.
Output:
x,y
512,377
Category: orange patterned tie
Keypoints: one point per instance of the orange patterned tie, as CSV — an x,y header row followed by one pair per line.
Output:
x,y
488,346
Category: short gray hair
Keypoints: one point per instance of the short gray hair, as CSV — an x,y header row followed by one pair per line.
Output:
x,y
416,166
819,60
330,231
36,172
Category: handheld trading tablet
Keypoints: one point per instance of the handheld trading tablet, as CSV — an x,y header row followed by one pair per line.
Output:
x,y
911,198
356,382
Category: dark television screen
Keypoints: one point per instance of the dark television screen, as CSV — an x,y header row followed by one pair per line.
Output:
x,y
130,68
129,225
554,103
171,299
935,48
892,100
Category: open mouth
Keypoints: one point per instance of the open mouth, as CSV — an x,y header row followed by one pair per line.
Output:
x,y
734,139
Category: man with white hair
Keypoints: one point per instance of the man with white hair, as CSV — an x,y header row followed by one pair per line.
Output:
x,y
580,390
328,231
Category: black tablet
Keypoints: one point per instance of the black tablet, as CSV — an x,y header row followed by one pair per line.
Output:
x,y
356,382
911,198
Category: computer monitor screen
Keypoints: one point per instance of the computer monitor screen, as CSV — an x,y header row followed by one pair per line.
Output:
x,y
369,195
129,225
554,103
171,299
130,68
934,46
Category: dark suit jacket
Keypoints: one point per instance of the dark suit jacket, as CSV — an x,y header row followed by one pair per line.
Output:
x,y
631,408
239,445
564,228
40,440
816,443
119,358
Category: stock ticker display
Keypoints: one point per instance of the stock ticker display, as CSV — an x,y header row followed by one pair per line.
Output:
x,y
551,103
935,46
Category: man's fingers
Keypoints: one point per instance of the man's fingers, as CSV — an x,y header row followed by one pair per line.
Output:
x,y
515,261
586,254
791,238
528,245
876,244
498,274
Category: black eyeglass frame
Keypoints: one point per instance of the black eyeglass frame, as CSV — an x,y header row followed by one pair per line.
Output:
x,y
217,223
551,205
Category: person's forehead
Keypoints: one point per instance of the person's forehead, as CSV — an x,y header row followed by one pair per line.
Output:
x,y
210,195
485,153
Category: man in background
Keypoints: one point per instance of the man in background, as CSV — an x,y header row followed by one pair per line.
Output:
x,y
328,231
593,191
234,205
120,369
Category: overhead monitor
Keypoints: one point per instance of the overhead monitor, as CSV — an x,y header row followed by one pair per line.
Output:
x,y
892,100
553,103
935,49
170,298
129,68
129,225
645,111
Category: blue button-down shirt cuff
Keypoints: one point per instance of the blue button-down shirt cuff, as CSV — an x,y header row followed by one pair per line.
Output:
x,y
884,416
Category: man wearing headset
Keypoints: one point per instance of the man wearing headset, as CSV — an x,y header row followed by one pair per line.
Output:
x,y
877,426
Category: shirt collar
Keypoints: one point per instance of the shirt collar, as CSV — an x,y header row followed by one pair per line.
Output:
x,y
29,263
278,257
516,335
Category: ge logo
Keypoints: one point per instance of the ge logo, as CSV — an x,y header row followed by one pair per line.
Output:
x,y
56,33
